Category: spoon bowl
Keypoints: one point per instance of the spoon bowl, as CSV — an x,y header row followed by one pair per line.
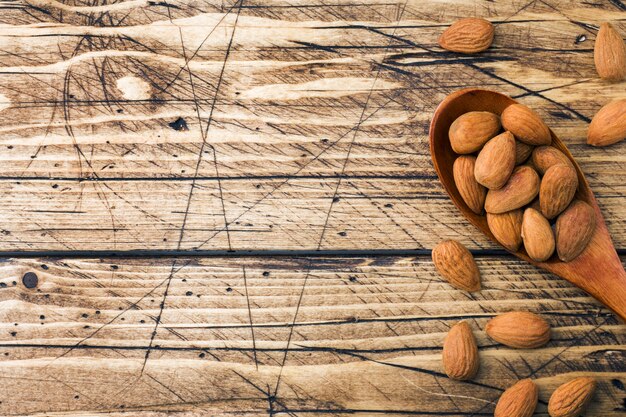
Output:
x,y
598,269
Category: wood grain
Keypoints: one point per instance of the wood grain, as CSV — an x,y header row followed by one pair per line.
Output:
x,y
299,126
341,334
329,99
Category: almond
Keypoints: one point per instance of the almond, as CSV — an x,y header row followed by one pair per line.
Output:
x,y
520,400
557,189
537,235
526,125
460,353
469,132
456,264
471,191
507,228
574,229
608,126
546,156
496,161
609,54
522,152
468,36
521,188
571,398
519,329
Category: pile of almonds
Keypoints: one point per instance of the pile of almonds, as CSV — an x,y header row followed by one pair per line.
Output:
x,y
527,189
521,182
515,329
507,169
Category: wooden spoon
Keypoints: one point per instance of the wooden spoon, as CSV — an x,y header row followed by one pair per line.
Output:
x,y
598,269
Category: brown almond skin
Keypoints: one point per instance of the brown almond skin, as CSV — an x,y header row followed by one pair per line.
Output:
x,y
520,400
557,189
519,329
608,126
609,54
460,353
544,157
571,398
471,191
496,161
574,229
507,228
526,125
456,264
467,36
537,234
522,152
470,131
521,188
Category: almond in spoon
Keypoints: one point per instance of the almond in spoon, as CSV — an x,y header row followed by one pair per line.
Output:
x,y
546,156
521,188
496,161
537,235
574,229
471,191
526,125
557,189
507,228
522,152
469,132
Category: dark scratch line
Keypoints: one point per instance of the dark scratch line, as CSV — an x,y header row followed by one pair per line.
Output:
x,y
245,283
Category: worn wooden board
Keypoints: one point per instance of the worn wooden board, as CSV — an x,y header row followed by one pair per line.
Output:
x,y
283,336
287,108
274,126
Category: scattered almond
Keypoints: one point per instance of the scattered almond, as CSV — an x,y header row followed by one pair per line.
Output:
x,y
537,235
609,54
519,329
546,156
520,400
608,126
521,188
507,228
526,125
468,36
574,229
522,152
496,161
571,398
470,131
557,189
471,191
456,264
460,353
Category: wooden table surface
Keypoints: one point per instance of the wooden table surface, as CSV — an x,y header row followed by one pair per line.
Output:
x,y
227,207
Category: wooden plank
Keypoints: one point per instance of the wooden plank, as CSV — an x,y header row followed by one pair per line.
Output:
x,y
261,214
305,120
283,335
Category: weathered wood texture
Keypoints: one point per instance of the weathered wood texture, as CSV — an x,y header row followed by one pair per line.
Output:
x,y
293,336
305,122
274,125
